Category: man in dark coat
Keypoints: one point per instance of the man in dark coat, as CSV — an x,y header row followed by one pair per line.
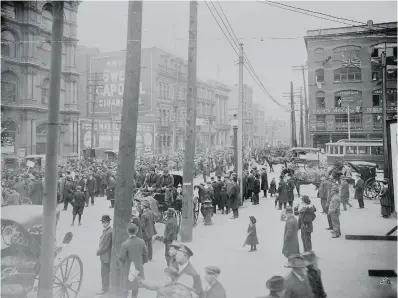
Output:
x,y
37,191
264,182
104,252
256,190
250,185
234,197
290,239
244,185
297,283
111,191
170,233
133,250
359,188
282,192
213,289
147,220
323,192
290,188
91,187
68,192
78,203
187,274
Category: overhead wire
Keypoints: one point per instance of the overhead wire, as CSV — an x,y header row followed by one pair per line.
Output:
x,y
248,66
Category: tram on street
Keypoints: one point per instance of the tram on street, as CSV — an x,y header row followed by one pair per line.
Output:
x,y
356,150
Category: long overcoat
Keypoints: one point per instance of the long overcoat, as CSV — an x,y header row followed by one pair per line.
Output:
x,y
290,239
264,181
234,196
282,191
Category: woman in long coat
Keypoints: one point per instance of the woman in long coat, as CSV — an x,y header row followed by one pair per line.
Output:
x,y
282,191
385,202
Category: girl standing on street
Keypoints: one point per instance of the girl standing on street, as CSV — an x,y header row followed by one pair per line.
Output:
x,y
272,187
251,238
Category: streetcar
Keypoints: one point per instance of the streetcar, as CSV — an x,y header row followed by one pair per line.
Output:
x,y
361,150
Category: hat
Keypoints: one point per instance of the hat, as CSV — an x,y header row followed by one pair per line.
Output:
x,y
132,229
170,211
212,178
309,256
172,272
185,249
276,283
175,244
289,209
145,204
296,261
78,188
212,270
105,218
253,219
306,199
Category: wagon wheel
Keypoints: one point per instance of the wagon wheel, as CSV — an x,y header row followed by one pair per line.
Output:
x,y
68,277
373,188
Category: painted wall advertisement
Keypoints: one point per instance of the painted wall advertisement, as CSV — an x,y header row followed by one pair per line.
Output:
x,y
110,96
103,139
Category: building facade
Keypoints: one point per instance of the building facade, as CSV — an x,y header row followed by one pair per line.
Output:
x,y
246,109
259,129
344,69
162,102
25,67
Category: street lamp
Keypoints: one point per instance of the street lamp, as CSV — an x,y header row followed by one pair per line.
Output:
x,y
234,124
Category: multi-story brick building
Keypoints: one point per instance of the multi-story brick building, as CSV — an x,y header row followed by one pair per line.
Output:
x,y
162,107
344,66
25,64
259,129
247,111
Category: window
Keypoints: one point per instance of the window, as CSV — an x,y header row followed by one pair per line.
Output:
x,y
74,92
9,86
341,122
346,53
392,72
166,95
159,87
351,150
47,17
319,75
376,100
45,53
347,74
377,122
363,150
320,122
337,102
375,150
45,91
320,99
8,45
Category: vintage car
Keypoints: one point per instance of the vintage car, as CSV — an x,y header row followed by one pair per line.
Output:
x,y
21,232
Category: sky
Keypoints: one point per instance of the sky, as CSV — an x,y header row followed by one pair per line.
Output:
x,y
103,24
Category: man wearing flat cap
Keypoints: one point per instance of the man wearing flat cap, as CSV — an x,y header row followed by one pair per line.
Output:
x,y
170,233
213,288
187,274
104,252
132,251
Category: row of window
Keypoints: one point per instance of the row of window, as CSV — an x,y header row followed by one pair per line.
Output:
x,y
166,117
353,74
203,108
9,89
353,52
320,101
341,122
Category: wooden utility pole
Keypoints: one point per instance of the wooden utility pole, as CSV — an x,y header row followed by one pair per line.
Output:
x,y
301,119
385,135
306,109
293,117
239,170
46,277
112,140
187,206
127,142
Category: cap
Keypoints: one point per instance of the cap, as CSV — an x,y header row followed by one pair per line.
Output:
x,y
105,218
212,270
185,249
132,229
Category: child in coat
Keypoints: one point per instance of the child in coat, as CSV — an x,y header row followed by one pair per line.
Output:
x,y
251,238
78,203
272,187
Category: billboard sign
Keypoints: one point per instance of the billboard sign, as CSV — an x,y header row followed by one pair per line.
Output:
x,y
110,96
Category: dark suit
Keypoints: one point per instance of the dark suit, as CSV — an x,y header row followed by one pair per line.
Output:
x,y
217,186
104,252
215,291
264,183
91,187
190,278
147,220
296,288
250,185
170,234
234,198
290,240
133,250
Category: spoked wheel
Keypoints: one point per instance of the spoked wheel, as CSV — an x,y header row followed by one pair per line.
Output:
x,y
68,277
373,188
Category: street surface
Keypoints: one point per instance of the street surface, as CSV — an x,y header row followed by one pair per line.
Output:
x,y
344,263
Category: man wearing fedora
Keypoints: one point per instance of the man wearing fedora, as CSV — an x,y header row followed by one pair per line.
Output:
x,y
297,284
147,220
213,288
314,274
234,197
187,274
104,252
290,240
170,233
276,286
132,251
